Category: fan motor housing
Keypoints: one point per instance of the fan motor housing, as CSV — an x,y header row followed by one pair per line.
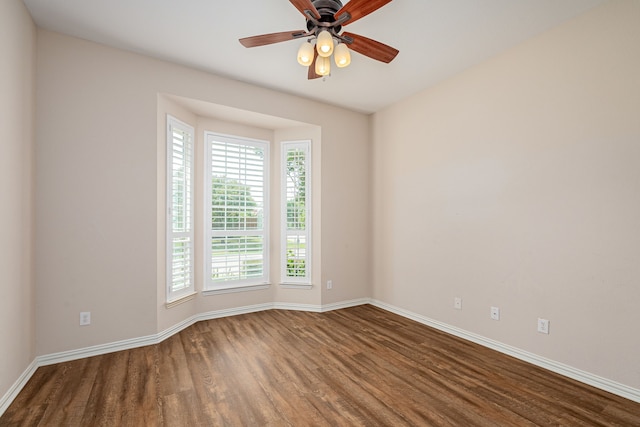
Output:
x,y
327,9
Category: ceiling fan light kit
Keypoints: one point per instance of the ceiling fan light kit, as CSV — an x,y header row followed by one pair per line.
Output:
x,y
325,19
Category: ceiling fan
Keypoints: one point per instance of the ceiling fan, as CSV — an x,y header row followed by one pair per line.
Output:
x,y
325,19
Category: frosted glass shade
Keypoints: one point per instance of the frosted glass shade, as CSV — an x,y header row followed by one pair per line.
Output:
x,y
324,45
341,55
323,65
305,54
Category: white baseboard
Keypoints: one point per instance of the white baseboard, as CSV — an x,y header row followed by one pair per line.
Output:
x,y
13,391
97,350
297,307
345,304
562,369
551,365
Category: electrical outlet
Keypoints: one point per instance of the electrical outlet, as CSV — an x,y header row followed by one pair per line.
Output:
x,y
85,318
543,326
329,284
495,313
457,303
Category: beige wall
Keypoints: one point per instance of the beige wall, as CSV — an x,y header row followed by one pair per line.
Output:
x,y
512,184
17,96
346,211
98,196
517,184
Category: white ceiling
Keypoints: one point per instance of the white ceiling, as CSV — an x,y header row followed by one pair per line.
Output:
x,y
436,39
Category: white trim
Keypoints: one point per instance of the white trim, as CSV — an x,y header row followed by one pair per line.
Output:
x,y
227,312
236,288
305,286
559,368
551,365
345,304
169,332
96,350
15,389
180,300
297,307
66,356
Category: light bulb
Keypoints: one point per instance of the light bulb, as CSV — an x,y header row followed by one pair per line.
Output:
x,y
305,54
324,44
323,66
341,55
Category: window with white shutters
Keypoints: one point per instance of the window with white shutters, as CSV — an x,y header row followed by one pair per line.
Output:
x,y
296,212
180,247
236,245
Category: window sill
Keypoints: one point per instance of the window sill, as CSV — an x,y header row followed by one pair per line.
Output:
x,y
182,299
296,285
232,289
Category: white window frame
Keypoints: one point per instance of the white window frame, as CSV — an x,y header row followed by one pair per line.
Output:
x,y
188,233
285,232
211,287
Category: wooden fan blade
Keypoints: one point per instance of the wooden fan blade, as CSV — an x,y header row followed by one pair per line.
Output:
x,y
359,8
271,38
371,48
303,5
312,68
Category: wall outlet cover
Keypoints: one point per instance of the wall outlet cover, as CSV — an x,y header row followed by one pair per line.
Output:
x,y
85,318
543,326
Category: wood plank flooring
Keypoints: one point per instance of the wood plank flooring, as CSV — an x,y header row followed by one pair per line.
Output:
x,y
360,366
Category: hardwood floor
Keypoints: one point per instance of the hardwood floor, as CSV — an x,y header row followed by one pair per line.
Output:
x,y
360,366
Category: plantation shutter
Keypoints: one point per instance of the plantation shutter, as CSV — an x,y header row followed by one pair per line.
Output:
x,y
237,249
296,212
180,237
